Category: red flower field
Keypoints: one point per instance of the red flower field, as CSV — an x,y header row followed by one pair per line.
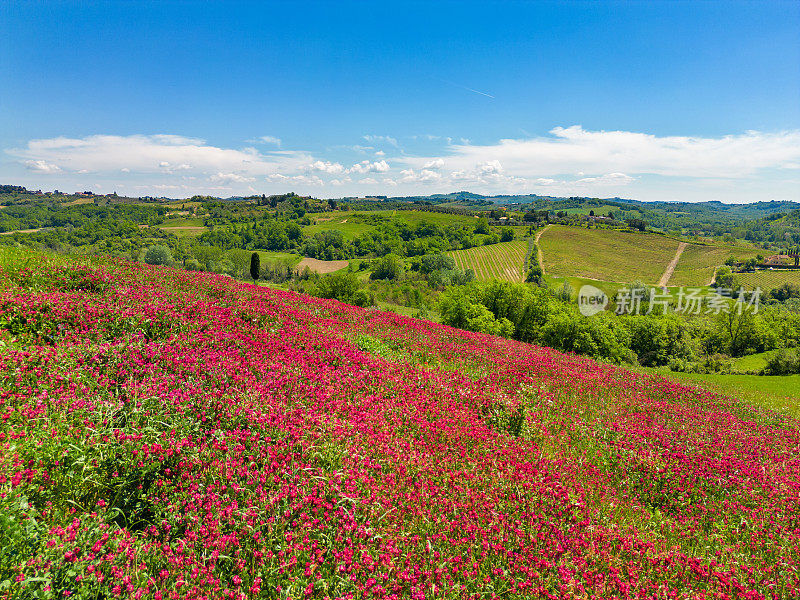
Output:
x,y
166,434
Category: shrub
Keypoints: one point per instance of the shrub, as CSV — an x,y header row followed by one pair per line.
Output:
x,y
783,362
192,264
158,255
388,267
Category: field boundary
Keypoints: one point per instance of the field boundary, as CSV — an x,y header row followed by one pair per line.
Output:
x,y
672,264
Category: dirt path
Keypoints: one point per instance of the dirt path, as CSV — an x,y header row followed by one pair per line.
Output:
x,y
20,231
321,266
671,266
539,254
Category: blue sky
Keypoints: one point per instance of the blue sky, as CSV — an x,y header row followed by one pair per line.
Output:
x,y
649,100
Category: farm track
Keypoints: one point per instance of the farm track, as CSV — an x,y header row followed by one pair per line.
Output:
x,y
539,254
671,266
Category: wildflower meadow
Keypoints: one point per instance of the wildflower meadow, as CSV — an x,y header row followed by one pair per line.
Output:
x,y
168,434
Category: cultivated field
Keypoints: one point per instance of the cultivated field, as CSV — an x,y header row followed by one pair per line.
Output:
x,y
184,227
605,254
697,263
768,280
502,261
618,256
168,434
322,266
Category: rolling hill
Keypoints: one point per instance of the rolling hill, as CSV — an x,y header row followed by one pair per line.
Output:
x,y
503,261
168,434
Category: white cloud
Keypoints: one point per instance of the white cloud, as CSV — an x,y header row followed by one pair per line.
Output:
x,y
366,166
422,176
227,178
266,139
608,179
327,167
386,139
436,163
152,154
574,149
41,166
568,161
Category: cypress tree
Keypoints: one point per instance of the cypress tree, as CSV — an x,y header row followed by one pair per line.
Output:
x,y
255,265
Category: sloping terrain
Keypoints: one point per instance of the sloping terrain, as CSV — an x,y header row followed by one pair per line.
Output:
x,y
623,257
503,261
167,434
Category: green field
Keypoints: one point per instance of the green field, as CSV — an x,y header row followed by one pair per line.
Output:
x,y
339,221
601,211
184,226
268,256
608,255
768,280
779,393
605,254
347,222
609,287
697,263
497,261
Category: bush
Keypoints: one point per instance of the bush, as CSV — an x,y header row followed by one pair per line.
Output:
x,y
342,286
388,267
158,255
192,264
783,362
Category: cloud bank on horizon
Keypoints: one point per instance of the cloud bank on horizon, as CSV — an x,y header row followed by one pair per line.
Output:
x,y
752,166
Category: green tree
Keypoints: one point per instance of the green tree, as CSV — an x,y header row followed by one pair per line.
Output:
x,y
388,267
158,254
255,266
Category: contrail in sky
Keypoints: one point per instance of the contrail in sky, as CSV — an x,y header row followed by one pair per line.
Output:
x,y
469,89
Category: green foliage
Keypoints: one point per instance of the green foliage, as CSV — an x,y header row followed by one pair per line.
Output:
x,y
192,264
255,265
459,310
388,267
658,339
725,279
158,255
436,262
342,286
784,362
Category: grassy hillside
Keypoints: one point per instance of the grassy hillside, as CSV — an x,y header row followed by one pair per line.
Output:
x,y
768,280
605,254
697,263
502,261
618,256
168,434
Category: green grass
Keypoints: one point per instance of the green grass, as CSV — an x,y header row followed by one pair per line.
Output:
x,y
697,263
602,211
779,393
339,221
502,261
336,220
605,254
753,362
269,256
183,222
609,287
